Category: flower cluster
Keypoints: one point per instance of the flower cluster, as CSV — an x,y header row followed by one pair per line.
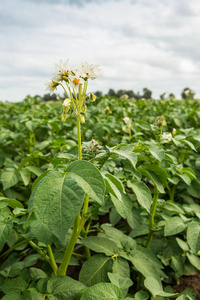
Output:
x,y
160,121
127,127
76,81
167,136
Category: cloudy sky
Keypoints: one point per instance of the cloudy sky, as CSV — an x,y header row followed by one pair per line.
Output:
x,y
137,43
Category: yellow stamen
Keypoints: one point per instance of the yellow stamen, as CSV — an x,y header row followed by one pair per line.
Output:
x,y
76,81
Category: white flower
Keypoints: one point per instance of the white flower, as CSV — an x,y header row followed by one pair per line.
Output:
x,y
51,86
126,120
90,71
66,102
75,80
167,136
187,92
57,77
174,131
62,69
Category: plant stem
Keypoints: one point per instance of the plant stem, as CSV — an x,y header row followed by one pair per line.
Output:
x,y
79,139
21,243
172,193
79,221
70,246
53,263
152,216
46,257
84,212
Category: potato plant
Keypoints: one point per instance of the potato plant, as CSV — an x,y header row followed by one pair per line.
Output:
x,y
106,187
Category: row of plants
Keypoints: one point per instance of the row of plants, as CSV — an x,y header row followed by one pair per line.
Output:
x,y
99,197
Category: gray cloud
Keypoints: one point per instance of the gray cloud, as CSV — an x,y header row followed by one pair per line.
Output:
x,y
138,43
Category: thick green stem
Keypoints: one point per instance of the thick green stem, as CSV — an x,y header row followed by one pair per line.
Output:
x,y
151,217
172,193
78,225
78,222
85,232
51,256
79,139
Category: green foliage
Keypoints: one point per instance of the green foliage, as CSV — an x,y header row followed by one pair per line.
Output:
x,y
130,208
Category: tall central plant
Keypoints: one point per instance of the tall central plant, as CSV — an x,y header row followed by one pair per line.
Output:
x,y
61,198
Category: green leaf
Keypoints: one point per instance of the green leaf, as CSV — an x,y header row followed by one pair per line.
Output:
x,y
194,260
193,237
120,281
5,228
185,178
14,295
31,125
25,176
157,152
36,274
27,159
102,291
35,170
116,182
144,266
142,192
122,240
170,206
59,196
56,201
123,205
194,189
96,269
102,245
31,294
182,244
12,202
9,177
188,143
190,173
16,284
121,201
171,158
41,146
155,287
173,226
190,293
126,152
178,264
183,297
89,178
141,295
38,179
64,287
157,175
121,267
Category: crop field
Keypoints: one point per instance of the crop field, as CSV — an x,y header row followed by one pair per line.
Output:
x,y
99,205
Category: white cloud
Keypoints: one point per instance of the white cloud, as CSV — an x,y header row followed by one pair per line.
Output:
x,y
138,44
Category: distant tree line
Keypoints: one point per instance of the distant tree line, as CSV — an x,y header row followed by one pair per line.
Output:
x,y
186,94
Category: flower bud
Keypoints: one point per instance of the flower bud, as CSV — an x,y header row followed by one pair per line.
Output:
x,y
63,117
84,107
82,119
92,97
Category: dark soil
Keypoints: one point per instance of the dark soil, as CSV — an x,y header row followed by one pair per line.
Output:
x,y
192,282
